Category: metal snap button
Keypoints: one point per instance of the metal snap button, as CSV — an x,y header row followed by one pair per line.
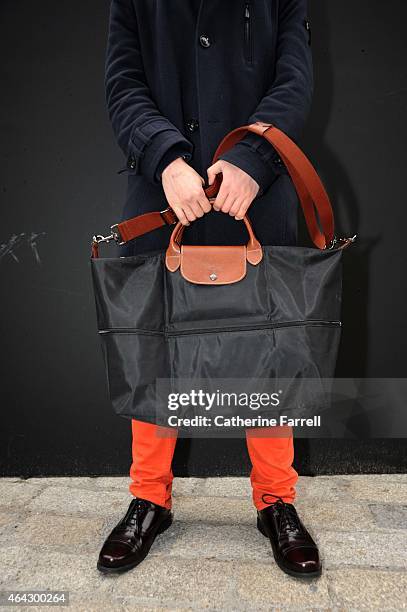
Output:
x,y
192,125
204,41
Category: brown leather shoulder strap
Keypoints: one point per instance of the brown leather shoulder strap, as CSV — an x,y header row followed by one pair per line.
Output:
x,y
308,185
310,190
133,228
137,226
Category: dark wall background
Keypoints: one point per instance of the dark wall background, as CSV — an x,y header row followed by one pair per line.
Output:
x,y
58,164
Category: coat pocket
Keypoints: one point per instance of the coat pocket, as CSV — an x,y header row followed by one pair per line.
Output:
x,y
247,33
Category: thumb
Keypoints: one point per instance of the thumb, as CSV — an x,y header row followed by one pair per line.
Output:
x,y
213,170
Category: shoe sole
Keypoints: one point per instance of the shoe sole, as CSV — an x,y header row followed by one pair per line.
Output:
x,y
290,572
125,568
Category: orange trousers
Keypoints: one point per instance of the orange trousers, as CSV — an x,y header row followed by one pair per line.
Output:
x,y
153,449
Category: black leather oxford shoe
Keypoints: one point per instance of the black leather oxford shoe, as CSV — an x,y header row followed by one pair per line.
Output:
x,y
130,541
294,549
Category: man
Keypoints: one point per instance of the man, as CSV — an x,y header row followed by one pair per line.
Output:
x,y
180,74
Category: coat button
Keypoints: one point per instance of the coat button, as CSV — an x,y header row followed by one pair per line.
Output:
x,y
204,41
131,163
192,125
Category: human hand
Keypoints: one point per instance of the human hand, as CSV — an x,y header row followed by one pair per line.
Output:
x,y
237,191
183,188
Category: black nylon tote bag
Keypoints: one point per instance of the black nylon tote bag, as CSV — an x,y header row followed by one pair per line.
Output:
x,y
183,313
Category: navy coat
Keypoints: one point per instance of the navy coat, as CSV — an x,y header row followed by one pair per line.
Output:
x,y
180,74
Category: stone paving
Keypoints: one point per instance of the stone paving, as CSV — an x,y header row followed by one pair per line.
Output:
x,y
213,557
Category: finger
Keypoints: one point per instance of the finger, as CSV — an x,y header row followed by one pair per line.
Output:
x,y
221,197
196,209
204,203
189,213
244,207
213,170
228,203
234,209
180,215
193,204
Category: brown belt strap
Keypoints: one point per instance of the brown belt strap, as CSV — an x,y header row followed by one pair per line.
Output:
x,y
310,190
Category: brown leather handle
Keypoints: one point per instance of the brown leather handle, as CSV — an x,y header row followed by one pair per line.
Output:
x,y
211,191
254,251
310,190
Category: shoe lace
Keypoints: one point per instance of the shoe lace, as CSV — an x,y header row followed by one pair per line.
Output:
x,y
289,520
134,512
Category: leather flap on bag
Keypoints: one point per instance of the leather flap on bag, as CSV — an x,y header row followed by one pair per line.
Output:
x,y
213,265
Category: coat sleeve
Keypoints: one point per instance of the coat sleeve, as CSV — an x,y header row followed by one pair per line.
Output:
x,y
145,136
287,101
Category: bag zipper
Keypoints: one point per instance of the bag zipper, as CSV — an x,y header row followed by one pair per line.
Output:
x,y
247,33
229,328
254,326
130,330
